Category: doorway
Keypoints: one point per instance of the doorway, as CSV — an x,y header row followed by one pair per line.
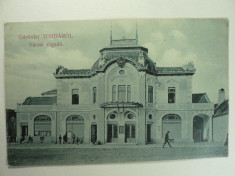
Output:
x,y
148,133
93,133
130,133
24,131
112,133
198,129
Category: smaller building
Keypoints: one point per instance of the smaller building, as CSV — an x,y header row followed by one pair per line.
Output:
x,y
11,125
220,118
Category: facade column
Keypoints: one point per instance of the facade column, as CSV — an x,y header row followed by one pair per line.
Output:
x,y
18,127
210,128
100,126
86,131
141,127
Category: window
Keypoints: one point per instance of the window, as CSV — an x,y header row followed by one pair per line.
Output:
x,y
128,93
172,123
114,93
94,94
75,96
121,93
150,94
130,116
42,126
171,94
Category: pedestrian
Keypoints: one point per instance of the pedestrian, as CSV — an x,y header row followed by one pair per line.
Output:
x,y
64,139
60,138
77,140
73,138
167,139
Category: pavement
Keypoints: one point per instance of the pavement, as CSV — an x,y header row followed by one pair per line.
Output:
x,y
51,145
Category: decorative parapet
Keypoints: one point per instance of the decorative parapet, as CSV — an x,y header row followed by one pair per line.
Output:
x,y
121,105
123,42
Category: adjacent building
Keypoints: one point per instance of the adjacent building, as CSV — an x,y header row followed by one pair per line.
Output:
x,y
220,118
124,98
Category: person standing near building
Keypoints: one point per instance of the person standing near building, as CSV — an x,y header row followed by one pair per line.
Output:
x,y
167,139
60,138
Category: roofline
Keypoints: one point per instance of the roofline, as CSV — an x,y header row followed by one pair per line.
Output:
x,y
175,74
222,114
123,47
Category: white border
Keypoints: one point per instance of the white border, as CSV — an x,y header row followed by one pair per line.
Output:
x,y
58,10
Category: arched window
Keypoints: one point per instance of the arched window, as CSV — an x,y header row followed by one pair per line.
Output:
x,y
172,123
94,94
171,94
150,94
75,125
75,96
42,126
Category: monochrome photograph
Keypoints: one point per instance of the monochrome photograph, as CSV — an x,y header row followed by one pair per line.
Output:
x,y
116,91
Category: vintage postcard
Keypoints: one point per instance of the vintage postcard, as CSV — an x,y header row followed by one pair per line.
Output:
x,y
114,91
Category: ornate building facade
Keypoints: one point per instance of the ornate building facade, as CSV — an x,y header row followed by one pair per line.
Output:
x,y
123,98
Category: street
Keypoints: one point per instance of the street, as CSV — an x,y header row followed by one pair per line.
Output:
x,y
79,155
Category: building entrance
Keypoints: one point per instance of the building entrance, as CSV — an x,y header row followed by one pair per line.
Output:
x,y
130,133
148,133
112,133
24,131
93,133
198,127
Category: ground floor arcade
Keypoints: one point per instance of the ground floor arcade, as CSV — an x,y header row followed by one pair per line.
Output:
x,y
115,126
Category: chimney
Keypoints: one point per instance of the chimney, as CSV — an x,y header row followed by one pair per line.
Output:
x,y
221,96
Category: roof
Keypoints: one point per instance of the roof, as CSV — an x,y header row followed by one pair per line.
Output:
x,y
174,71
221,109
50,92
40,101
200,98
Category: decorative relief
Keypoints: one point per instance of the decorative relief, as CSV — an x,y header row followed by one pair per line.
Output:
x,y
121,62
171,81
141,58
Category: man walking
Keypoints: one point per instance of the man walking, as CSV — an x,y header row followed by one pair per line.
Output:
x,y
167,139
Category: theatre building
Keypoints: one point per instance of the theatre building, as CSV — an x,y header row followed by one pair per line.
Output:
x,y
125,98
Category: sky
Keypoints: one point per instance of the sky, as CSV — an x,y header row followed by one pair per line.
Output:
x,y
171,42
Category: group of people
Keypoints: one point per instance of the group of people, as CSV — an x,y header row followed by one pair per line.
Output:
x,y
74,140
27,139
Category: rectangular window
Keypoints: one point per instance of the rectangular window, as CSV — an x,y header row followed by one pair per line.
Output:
x,y
171,94
114,93
121,93
150,94
75,96
128,93
94,94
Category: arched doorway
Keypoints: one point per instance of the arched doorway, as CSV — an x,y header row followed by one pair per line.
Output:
x,y
42,125
200,128
172,123
130,127
112,128
75,127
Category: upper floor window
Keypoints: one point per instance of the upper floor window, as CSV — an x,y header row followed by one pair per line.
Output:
x,y
171,94
75,96
114,93
121,93
94,94
150,94
128,93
